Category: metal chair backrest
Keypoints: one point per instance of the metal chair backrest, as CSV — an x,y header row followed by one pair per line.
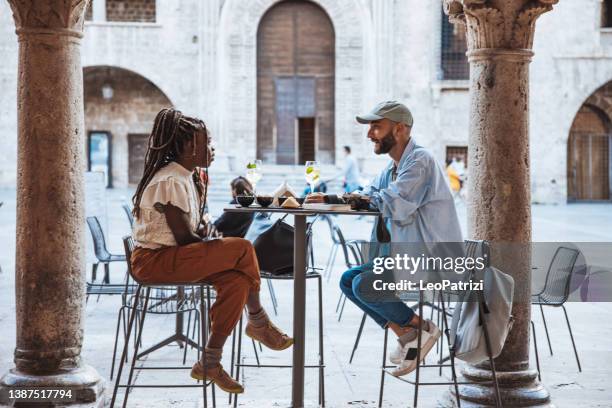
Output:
x,y
355,248
309,246
342,243
97,236
478,248
338,238
559,276
128,246
128,212
333,229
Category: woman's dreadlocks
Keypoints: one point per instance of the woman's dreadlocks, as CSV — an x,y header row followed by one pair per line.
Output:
x,y
171,130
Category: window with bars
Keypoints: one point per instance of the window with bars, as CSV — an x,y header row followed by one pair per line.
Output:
x,y
457,153
454,64
142,11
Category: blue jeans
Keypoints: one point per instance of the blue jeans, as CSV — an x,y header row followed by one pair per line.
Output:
x,y
356,284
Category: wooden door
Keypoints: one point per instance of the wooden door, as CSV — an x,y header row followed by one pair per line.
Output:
x,y
295,79
589,152
590,168
137,148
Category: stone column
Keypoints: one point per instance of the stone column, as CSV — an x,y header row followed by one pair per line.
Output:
x,y
50,256
500,38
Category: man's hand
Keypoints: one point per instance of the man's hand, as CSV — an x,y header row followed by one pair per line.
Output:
x,y
315,198
355,196
357,201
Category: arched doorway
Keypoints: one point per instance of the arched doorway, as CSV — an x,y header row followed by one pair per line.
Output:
x,y
295,84
120,106
588,171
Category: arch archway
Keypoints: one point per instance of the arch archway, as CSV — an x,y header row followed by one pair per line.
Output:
x,y
120,106
295,83
589,150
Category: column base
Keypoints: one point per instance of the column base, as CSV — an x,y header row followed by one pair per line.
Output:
x,y
517,389
84,382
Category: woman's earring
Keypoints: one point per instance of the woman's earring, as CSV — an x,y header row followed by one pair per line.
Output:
x,y
195,145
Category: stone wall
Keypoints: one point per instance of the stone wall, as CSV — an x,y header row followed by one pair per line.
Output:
x,y
568,67
201,55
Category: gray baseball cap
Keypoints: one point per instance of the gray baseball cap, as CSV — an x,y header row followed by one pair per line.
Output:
x,y
392,110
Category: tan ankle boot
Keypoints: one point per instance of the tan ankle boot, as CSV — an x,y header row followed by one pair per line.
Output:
x,y
218,376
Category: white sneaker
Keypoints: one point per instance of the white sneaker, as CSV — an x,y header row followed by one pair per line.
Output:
x,y
408,354
396,355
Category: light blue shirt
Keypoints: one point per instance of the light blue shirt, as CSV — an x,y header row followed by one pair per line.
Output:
x,y
418,206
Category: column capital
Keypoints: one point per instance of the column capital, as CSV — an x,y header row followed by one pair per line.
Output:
x,y
63,17
499,24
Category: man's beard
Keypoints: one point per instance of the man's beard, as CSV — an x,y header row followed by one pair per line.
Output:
x,y
386,144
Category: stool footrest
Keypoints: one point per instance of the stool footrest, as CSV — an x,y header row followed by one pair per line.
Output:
x,y
164,368
276,366
450,382
423,366
162,386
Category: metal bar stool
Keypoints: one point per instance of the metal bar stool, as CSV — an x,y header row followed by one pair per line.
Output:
x,y
311,274
472,248
129,244
165,300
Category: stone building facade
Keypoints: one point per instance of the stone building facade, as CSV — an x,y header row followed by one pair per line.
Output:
x,y
201,56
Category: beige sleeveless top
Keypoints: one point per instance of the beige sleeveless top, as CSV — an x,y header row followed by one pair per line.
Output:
x,y
172,184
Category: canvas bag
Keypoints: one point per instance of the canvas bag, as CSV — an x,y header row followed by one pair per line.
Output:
x,y
466,328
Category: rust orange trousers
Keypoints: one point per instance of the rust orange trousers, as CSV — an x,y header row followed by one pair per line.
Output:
x,y
228,264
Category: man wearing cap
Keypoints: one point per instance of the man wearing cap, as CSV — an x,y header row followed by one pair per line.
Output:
x,y
416,206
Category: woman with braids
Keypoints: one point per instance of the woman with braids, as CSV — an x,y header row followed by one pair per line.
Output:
x,y
170,245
